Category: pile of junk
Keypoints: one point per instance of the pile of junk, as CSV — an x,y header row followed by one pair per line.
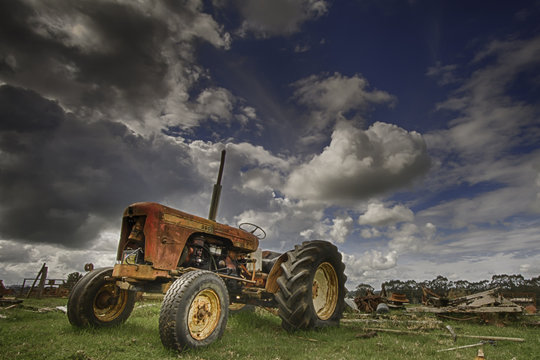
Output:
x,y
381,302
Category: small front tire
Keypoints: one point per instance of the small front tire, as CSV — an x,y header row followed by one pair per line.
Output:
x,y
194,311
96,301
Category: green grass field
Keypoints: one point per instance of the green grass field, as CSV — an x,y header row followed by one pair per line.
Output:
x,y
28,334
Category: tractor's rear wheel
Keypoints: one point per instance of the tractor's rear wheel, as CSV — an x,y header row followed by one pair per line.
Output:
x,y
311,289
194,311
96,301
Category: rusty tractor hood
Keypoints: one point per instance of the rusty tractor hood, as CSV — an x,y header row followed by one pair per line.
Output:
x,y
166,231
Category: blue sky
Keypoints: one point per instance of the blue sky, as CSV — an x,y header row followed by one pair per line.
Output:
x,y
405,132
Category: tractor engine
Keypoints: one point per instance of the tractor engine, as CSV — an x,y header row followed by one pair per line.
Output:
x,y
206,253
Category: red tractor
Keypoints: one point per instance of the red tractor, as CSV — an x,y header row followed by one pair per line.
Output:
x,y
202,267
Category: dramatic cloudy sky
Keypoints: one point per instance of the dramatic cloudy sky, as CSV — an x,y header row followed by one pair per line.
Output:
x,y
405,132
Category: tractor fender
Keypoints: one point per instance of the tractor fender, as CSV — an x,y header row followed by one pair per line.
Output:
x,y
274,274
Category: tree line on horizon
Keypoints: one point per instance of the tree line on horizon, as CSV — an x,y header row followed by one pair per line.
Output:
x,y
447,288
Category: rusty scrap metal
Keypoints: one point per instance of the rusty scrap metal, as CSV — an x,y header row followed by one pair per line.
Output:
x,y
430,298
51,288
368,303
46,287
397,301
42,275
399,298
4,290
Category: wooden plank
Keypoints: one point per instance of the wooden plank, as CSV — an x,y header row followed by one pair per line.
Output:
x,y
468,310
391,320
35,280
462,347
487,293
42,281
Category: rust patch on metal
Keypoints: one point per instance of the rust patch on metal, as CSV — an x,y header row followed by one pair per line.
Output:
x,y
141,272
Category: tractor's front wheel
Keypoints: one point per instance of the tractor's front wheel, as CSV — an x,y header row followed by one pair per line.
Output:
x,y
194,311
96,301
311,289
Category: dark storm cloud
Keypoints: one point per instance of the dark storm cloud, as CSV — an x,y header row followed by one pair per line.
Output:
x,y
89,53
63,179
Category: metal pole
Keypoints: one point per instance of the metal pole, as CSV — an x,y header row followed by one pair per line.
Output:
x,y
214,203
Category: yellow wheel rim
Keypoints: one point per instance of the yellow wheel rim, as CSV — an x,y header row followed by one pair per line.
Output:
x,y
325,290
109,302
204,314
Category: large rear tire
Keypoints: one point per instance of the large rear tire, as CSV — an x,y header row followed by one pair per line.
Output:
x,y
96,301
311,289
194,311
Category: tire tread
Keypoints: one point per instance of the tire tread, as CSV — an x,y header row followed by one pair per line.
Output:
x,y
293,297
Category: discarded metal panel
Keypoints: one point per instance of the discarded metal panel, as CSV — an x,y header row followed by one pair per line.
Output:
x,y
351,304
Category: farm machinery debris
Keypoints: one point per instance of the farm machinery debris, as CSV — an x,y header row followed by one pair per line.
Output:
x,y
485,302
369,302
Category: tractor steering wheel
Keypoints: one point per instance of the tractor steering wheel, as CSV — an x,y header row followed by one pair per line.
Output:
x,y
253,229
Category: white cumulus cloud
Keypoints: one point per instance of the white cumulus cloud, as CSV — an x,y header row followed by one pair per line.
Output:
x,y
378,215
360,163
335,230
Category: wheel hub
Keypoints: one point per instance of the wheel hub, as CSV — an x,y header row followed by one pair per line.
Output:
x,y
103,300
109,302
204,314
325,290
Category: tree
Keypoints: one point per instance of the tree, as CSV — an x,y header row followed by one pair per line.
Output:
x,y
508,282
361,290
444,287
72,279
479,286
440,285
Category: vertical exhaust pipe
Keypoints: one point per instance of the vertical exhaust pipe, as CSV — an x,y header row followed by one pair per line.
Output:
x,y
214,203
